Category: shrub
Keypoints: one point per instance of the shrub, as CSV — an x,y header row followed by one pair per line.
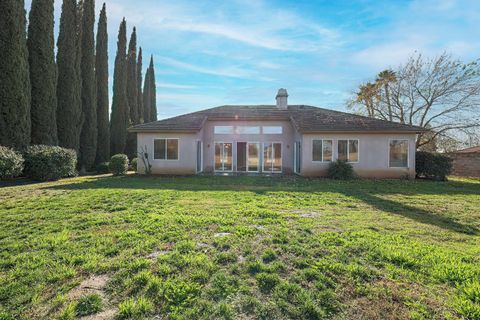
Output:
x,y
340,170
118,164
432,166
89,304
46,163
11,163
103,167
133,164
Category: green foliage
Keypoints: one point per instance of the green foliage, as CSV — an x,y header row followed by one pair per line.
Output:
x,y
120,113
102,104
14,76
147,102
89,304
340,170
88,137
103,167
135,308
69,103
43,73
269,255
47,163
134,164
132,94
139,86
11,163
68,313
153,92
433,166
118,164
267,281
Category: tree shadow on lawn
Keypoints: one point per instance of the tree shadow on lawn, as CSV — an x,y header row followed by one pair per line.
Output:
x,y
367,191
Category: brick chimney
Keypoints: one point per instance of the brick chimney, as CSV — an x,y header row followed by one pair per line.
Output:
x,y
282,99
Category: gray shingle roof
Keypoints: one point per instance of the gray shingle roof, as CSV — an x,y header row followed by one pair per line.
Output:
x,y
306,119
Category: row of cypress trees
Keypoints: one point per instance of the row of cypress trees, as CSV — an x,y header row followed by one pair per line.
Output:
x,y
65,101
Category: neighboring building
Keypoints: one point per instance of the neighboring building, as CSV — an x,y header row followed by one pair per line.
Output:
x,y
466,162
275,139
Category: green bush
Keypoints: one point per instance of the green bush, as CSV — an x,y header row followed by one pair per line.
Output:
x,y
133,164
47,163
340,170
11,163
103,167
118,164
433,166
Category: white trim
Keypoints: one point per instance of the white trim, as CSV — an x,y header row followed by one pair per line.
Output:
x,y
201,156
166,151
323,157
295,152
408,153
223,154
273,150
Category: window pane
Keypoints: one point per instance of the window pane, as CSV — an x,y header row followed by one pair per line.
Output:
x,y
227,156
267,157
248,130
223,129
353,150
399,153
253,156
277,157
218,156
327,150
172,149
272,130
317,150
342,150
159,149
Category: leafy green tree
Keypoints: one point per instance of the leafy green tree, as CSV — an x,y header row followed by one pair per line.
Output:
x,y
132,94
69,108
146,97
119,119
88,137
101,69
153,92
139,86
43,73
14,76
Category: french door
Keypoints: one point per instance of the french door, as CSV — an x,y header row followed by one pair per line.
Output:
x,y
223,156
272,157
248,156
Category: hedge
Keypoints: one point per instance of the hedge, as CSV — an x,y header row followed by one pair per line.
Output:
x,y
433,166
11,163
47,163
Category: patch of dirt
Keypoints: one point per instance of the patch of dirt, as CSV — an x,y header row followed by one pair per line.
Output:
x,y
312,214
222,234
156,254
108,314
257,226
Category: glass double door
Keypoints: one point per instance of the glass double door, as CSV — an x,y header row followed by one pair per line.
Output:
x,y
248,156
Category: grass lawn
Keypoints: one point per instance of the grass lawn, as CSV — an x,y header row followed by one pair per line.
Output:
x,y
240,248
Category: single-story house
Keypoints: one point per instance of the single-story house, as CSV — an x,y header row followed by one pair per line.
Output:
x,y
274,139
466,162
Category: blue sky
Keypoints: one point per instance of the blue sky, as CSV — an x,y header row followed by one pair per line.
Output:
x,y
209,53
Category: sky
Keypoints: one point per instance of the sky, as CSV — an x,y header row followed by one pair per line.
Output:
x,y
210,53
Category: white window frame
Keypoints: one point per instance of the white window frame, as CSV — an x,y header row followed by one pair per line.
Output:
x,y
166,149
263,155
201,154
223,150
348,150
296,150
408,153
269,133
333,148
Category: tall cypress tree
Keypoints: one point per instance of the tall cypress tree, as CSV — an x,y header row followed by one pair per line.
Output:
x,y
139,86
101,69
132,94
14,76
119,119
88,137
147,102
69,108
153,92
43,73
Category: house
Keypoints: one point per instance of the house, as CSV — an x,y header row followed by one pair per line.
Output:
x,y
274,139
466,162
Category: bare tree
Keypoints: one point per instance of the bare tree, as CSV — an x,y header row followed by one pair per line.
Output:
x,y
145,159
441,94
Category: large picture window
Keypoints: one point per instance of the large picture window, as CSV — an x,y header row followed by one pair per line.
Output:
x,y
348,150
398,154
322,150
165,149
272,157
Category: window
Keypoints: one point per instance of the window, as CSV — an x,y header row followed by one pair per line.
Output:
x,y
348,150
322,150
223,129
399,153
223,156
273,130
272,157
165,149
248,130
